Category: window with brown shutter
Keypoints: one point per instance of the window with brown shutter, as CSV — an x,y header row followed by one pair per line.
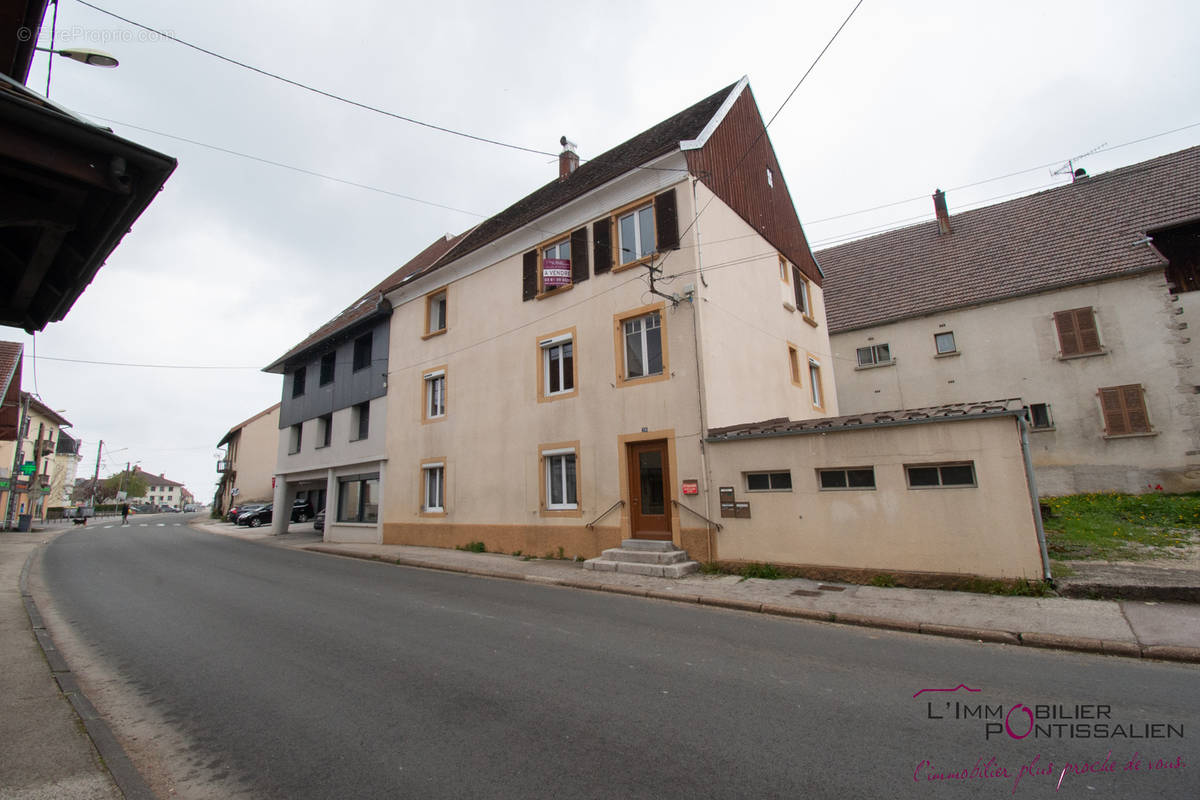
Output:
x,y
1124,410
1077,332
666,220
529,276
602,245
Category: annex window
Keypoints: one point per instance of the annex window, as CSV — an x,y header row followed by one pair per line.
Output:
x,y
1039,416
769,481
1124,410
635,234
325,430
784,269
435,394
360,421
556,264
814,379
944,343
560,475
642,354
433,480
298,380
557,353
1077,332
794,364
296,437
874,355
358,498
328,366
435,313
846,478
362,352
930,476
801,292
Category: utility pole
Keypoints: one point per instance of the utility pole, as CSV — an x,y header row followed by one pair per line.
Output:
x,y
18,460
96,475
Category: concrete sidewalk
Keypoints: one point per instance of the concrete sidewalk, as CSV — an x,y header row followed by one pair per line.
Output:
x,y
45,751
1131,628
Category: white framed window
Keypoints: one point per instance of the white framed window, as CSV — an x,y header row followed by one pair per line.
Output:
x,y
435,311
944,343
846,478
434,481
555,275
635,234
560,476
643,346
435,394
558,365
874,355
361,421
1039,416
814,379
296,439
800,288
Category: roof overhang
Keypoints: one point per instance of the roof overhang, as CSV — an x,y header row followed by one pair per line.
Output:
x,y
69,192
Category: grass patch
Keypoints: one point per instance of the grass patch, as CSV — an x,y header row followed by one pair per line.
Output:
x,y
472,547
884,580
1121,527
768,572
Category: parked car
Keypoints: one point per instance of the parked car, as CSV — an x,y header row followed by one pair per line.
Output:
x,y
302,511
255,517
242,508
319,521
170,509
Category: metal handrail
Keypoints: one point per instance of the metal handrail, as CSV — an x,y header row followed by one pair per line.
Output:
x,y
678,504
605,514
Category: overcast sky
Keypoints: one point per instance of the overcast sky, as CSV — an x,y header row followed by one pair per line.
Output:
x,y
237,260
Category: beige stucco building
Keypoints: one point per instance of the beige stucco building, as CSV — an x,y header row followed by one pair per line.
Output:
x,y
45,482
550,379
249,464
1080,300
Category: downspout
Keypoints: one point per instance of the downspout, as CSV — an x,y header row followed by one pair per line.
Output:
x,y
1033,497
700,378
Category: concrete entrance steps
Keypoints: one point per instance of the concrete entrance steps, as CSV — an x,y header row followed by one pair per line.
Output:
x,y
644,557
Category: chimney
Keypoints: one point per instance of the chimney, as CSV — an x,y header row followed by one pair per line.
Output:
x,y
943,216
568,159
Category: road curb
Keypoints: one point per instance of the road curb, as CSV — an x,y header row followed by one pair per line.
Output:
x,y
1046,641
113,757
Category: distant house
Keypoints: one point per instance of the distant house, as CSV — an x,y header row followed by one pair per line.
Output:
x,y
1079,299
637,350
247,469
160,490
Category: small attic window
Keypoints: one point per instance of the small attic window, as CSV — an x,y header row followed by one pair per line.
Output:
x,y
770,178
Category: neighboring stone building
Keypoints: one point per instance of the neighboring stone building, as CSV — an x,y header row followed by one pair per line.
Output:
x,y
248,468
1078,299
582,368
64,468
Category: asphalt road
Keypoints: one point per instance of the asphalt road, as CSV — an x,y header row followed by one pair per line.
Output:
x,y
295,675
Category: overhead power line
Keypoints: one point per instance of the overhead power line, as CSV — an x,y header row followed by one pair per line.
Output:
x,y
145,366
308,88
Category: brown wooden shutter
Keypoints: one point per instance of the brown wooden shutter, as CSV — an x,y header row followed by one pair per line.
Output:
x,y
1077,331
1068,336
1089,334
666,222
579,256
602,245
529,276
1135,409
1111,406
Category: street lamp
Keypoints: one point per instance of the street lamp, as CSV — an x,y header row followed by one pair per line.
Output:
x,y
96,58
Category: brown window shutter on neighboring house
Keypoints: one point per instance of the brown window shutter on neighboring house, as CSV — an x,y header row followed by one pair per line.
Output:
x,y
1077,331
579,256
666,221
1124,409
602,245
529,277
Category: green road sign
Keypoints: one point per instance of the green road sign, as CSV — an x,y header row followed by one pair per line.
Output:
x,y
45,490
28,468
3,483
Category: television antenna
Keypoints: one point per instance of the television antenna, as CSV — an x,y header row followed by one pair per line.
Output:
x,y
1069,167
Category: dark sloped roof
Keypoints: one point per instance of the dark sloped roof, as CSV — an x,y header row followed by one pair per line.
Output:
x,y
363,307
46,411
155,480
1088,230
950,412
10,356
646,146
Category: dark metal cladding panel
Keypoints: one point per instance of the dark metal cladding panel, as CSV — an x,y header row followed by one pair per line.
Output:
x,y
734,164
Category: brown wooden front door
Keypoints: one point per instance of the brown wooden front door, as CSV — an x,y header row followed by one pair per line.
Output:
x,y
649,496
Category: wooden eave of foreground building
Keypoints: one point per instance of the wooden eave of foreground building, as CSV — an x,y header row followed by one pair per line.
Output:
x,y
69,192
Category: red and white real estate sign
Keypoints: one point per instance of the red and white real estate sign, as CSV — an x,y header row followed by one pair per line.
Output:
x,y
556,272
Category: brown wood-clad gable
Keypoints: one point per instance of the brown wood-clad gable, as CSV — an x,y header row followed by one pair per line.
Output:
x,y
1077,331
742,182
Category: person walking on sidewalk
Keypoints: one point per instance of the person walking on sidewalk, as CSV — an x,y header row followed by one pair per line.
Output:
x,y
124,513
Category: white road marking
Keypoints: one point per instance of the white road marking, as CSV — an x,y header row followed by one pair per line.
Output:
x,y
162,525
